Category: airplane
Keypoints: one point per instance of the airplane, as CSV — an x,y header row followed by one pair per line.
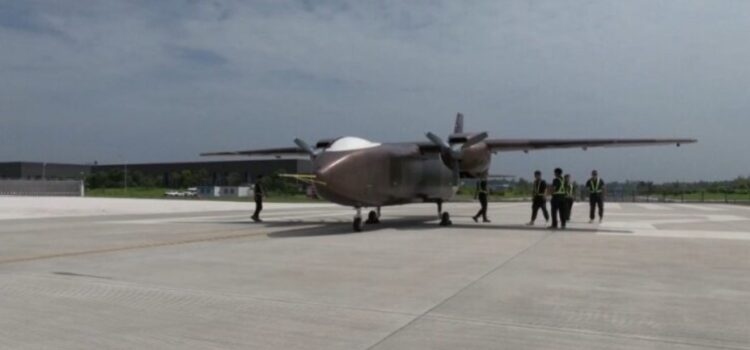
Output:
x,y
359,173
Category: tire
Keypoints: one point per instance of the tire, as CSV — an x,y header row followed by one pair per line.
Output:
x,y
357,225
445,219
372,218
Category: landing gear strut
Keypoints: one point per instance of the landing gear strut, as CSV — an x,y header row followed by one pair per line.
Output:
x,y
357,224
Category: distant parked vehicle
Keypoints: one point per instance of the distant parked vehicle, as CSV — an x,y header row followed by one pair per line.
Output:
x,y
191,192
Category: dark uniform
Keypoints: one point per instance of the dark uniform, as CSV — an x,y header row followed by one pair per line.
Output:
x,y
539,201
482,194
596,197
259,194
558,202
570,198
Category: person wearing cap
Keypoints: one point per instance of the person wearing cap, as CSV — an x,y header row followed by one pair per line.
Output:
x,y
558,192
595,186
570,196
481,193
538,198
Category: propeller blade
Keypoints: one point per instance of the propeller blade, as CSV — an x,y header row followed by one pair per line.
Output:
x,y
474,140
444,146
438,141
305,147
456,172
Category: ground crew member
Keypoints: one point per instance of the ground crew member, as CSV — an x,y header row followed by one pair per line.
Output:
x,y
538,198
259,193
482,193
595,186
558,200
570,196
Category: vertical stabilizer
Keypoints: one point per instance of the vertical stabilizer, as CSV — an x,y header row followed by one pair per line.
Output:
x,y
459,127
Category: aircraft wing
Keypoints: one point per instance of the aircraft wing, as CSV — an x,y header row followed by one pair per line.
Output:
x,y
277,152
508,145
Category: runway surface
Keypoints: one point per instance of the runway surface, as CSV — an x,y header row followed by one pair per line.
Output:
x,y
109,274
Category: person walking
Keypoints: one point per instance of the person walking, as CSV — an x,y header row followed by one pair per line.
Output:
x,y
538,198
259,193
570,196
595,186
558,200
481,193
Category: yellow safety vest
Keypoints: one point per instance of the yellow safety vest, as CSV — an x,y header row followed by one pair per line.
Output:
x,y
595,185
571,190
561,189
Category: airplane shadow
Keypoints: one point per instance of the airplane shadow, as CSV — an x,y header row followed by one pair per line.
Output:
x,y
301,228
412,224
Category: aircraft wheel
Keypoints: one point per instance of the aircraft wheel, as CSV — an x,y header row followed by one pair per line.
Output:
x,y
358,225
445,219
372,218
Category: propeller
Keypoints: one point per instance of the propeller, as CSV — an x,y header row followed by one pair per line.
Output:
x,y
474,139
455,155
305,147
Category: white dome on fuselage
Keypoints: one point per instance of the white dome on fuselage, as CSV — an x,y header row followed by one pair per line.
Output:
x,y
350,143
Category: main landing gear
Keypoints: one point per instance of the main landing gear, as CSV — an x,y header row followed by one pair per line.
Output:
x,y
373,217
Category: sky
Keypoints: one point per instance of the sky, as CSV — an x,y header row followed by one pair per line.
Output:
x,y
153,81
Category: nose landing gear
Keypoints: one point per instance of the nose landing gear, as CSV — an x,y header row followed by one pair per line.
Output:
x,y
358,225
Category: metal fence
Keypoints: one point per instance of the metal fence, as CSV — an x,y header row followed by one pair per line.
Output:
x,y
41,188
682,197
639,197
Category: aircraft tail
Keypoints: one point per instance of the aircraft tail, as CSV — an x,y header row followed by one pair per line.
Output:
x,y
459,127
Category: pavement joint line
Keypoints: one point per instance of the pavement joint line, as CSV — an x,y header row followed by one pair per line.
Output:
x,y
135,247
584,332
209,294
469,285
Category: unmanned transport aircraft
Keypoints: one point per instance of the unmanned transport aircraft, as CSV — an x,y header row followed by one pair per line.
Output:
x,y
358,173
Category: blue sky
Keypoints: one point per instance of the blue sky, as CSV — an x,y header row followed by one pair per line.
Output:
x,y
144,80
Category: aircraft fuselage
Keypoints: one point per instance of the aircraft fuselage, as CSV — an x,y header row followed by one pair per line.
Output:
x,y
381,175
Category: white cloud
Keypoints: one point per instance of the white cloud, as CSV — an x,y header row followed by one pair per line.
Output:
x,y
87,80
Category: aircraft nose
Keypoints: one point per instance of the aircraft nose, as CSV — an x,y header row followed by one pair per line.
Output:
x,y
330,173
339,180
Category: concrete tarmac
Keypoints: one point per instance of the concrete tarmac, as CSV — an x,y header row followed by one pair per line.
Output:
x,y
652,276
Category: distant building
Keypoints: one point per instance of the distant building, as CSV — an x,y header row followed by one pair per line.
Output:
x,y
217,173
38,171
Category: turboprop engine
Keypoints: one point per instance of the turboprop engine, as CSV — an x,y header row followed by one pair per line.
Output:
x,y
467,155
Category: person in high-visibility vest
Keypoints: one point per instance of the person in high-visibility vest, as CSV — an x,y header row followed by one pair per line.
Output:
x,y
570,196
595,186
482,193
538,198
558,200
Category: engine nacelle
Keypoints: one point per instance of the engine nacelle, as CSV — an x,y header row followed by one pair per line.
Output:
x,y
474,161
